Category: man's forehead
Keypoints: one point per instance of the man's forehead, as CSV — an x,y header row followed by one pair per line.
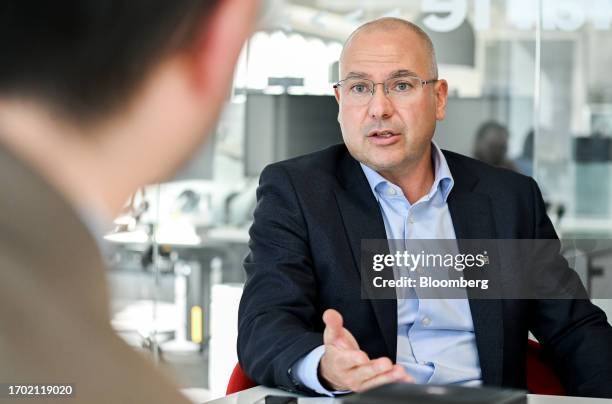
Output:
x,y
384,40
390,74
383,50
401,40
383,63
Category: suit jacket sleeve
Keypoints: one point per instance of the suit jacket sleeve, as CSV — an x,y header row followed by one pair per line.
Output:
x,y
278,321
574,332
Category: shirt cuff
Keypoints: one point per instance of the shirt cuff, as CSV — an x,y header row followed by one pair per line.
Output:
x,y
306,372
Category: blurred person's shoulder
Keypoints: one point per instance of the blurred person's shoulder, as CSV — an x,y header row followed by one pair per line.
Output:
x,y
45,234
54,288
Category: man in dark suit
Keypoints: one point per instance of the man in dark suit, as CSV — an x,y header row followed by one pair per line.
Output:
x,y
97,99
303,324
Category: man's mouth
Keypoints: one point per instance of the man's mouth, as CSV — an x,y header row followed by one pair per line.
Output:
x,y
382,134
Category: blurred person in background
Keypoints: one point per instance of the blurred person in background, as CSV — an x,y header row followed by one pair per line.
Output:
x,y
97,99
491,145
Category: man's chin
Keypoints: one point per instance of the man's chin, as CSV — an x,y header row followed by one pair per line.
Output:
x,y
386,160
383,164
390,163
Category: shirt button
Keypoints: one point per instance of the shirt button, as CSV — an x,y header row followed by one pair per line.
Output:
x,y
426,321
391,192
411,219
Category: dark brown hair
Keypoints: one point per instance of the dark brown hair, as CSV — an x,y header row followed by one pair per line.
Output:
x,y
88,57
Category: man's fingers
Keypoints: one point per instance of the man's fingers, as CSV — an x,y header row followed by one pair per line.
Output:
x,y
396,374
353,370
336,363
346,360
372,368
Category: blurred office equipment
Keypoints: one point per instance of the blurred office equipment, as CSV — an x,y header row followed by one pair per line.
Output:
x,y
284,126
411,393
172,245
593,158
224,328
593,149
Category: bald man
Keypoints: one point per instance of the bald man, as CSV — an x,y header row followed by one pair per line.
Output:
x,y
303,324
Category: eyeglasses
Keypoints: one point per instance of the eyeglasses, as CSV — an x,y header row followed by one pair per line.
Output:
x,y
359,91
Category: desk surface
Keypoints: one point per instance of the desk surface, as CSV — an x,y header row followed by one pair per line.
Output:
x,y
250,396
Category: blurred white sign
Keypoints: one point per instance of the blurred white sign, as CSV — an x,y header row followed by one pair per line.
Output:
x,y
561,15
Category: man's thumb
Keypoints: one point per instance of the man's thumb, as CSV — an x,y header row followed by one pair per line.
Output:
x,y
333,334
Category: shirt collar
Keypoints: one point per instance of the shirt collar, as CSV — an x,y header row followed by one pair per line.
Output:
x,y
443,179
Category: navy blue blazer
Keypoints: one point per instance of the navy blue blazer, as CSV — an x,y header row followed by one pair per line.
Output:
x,y
312,213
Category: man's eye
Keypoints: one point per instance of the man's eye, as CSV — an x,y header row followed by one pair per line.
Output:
x,y
402,86
359,88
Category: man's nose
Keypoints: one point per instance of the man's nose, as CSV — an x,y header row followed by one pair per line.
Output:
x,y
380,106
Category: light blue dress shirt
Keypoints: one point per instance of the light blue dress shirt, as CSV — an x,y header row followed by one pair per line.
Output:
x,y
435,337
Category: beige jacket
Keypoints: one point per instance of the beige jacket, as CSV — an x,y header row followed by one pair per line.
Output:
x,y
54,317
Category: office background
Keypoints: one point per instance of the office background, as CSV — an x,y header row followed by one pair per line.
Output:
x,y
530,90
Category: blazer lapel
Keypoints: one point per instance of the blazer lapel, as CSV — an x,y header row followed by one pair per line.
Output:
x,y
363,220
472,217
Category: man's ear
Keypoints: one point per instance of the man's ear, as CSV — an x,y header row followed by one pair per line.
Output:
x,y
337,95
218,46
441,94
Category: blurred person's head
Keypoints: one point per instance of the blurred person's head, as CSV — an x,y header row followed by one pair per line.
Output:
x,y
491,143
126,89
390,132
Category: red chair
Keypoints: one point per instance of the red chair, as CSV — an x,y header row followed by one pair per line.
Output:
x,y
238,381
541,379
